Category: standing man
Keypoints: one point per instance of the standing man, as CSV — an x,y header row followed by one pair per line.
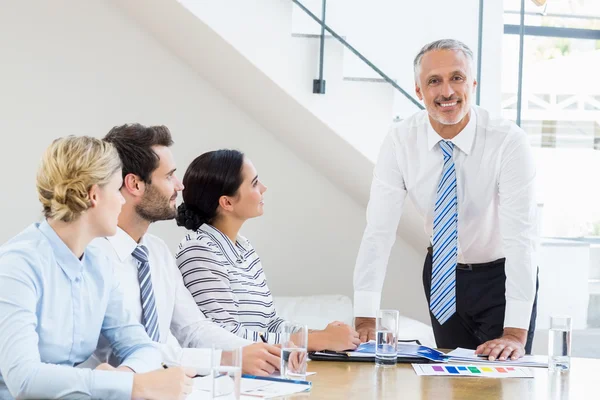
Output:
x,y
145,268
472,179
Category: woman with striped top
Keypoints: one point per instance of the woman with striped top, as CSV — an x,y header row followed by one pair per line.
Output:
x,y
220,267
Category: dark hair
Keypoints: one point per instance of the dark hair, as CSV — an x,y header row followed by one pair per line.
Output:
x,y
210,176
134,143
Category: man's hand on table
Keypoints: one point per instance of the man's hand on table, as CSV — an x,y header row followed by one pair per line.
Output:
x,y
510,346
365,328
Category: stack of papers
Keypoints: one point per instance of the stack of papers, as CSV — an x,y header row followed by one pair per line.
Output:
x,y
405,350
461,355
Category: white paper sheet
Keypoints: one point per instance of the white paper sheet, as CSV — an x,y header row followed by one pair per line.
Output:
x,y
474,371
249,387
469,356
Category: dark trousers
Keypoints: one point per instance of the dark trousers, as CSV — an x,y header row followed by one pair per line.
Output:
x,y
480,306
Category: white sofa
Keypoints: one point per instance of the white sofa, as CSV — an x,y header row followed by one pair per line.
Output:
x,y
318,311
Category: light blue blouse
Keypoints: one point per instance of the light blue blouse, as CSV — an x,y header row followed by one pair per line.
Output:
x,y
53,308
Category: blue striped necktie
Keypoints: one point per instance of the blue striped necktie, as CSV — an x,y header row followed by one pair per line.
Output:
x,y
149,312
445,241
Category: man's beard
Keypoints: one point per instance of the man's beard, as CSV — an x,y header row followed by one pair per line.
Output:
x,y
155,207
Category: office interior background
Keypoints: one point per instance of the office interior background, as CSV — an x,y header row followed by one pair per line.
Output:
x,y
242,74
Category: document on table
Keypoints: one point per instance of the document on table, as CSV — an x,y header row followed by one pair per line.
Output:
x,y
472,371
250,388
269,389
469,356
278,375
405,350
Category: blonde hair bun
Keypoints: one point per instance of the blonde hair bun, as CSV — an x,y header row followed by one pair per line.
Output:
x,y
69,168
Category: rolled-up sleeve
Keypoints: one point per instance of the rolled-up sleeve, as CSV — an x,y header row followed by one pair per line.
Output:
x,y
388,192
518,223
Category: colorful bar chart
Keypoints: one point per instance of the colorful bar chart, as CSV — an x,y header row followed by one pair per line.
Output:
x,y
472,371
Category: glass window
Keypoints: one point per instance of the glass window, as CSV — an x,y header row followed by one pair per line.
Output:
x,y
560,111
580,14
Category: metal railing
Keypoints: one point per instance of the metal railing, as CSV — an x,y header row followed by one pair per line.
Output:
x,y
319,84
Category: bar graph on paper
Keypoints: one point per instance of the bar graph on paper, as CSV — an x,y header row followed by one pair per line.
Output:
x,y
472,371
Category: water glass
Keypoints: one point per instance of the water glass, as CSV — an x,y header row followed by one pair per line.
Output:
x,y
294,345
226,373
386,346
559,343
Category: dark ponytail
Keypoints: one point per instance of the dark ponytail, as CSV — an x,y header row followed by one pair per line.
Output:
x,y
210,176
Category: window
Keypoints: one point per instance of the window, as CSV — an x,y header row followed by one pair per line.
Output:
x,y
560,111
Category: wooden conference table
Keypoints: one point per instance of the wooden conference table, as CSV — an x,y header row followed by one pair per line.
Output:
x,y
357,380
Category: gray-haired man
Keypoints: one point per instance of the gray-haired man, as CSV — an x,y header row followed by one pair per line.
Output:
x,y
472,179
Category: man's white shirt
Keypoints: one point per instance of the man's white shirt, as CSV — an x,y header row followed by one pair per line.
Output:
x,y
186,335
497,217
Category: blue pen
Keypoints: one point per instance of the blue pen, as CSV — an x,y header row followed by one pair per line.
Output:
x,y
273,379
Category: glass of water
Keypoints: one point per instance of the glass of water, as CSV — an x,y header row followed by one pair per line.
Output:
x,y
386,346
226,373
559,343
294,344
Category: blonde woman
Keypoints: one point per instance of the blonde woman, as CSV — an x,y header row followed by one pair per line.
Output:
x,y
57,295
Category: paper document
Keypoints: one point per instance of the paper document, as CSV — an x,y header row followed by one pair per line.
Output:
x,y
254,388
467,355
472,371
405,350
269,389
278,374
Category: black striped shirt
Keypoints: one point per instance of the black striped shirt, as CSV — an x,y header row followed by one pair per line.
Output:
x,y
228,283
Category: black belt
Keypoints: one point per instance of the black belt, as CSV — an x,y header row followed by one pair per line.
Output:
x,y
469,267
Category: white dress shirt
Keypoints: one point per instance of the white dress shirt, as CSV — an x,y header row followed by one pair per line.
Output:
x,y
495,174
177,312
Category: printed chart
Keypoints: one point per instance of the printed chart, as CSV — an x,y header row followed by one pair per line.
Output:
x,y
472,371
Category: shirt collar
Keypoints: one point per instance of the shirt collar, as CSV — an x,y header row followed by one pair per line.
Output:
x,y
464,140
123,244
65,258
228,248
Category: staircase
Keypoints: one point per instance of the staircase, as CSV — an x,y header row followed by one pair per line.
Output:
x,y
284,41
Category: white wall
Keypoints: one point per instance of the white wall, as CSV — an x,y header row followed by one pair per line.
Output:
x,y
389,33
71,67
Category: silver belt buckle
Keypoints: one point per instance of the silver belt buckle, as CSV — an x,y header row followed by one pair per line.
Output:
x,y
465,267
